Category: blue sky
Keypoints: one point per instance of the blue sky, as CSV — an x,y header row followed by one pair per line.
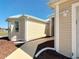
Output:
x,y
38,8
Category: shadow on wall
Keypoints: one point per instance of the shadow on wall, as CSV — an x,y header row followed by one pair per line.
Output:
x,y
17,35
49,29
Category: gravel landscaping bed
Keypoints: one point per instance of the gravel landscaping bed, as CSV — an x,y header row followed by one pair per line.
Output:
x,y
6,48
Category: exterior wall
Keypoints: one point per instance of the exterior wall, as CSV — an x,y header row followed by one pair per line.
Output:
x,y
14,36
52,26
65,28
35,30
29,29
22,29
49,29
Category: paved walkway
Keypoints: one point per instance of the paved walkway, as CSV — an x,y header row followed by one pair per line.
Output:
x,y
32,45
27,50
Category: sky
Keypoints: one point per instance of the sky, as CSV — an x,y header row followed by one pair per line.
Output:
x,y
38,8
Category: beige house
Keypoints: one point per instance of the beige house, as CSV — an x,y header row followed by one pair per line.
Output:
x,y
66,27
26,28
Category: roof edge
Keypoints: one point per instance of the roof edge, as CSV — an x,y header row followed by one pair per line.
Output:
x,y
29,16
53,4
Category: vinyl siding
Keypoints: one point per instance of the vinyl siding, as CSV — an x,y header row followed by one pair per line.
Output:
x,y
35,30
65,28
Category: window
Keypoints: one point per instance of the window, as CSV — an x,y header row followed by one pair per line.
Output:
x,y
16,26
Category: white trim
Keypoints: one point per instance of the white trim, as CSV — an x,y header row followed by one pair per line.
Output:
x,y
42,50
26,15
26,29
9,30
53,4
74,29
57,29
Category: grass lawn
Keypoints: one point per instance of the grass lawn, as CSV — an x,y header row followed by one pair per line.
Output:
x,y
3,33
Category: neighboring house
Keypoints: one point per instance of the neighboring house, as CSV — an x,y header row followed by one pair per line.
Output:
x,y
3,30
66,27
26,27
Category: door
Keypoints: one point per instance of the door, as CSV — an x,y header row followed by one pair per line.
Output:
x,y
77,31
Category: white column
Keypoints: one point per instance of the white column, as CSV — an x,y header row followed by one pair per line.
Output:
x,y
26,29
8,29
57,29
74,31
